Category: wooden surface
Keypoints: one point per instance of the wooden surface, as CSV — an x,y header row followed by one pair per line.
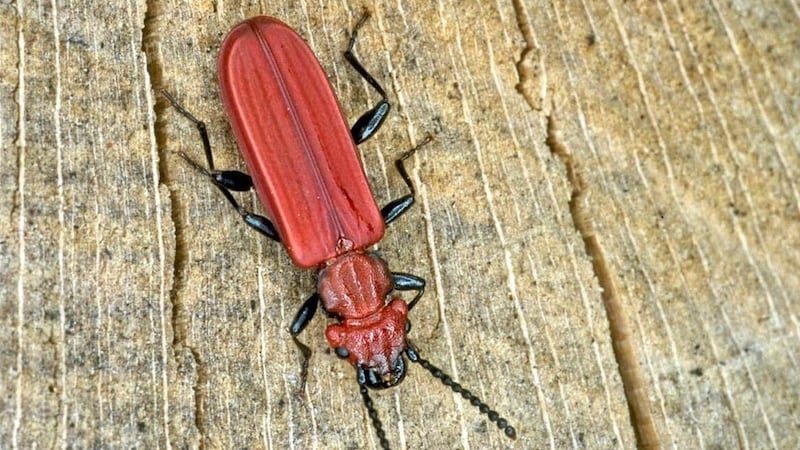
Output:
x,y
608,220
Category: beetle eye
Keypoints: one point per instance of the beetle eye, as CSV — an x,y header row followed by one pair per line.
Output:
x,y
408,326
342,352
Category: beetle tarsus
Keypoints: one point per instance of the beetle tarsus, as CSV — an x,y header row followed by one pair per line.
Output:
x,y
398,207
199,124
305,352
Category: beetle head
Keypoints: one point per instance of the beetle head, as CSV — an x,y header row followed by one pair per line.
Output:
x,y
374,380
374,343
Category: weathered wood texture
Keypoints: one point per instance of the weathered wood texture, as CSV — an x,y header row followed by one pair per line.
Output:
x,y
610,181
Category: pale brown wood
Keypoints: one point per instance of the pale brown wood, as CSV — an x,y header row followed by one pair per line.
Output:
x,y
608,220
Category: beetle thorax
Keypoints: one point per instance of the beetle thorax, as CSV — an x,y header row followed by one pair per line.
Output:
x,y
354,287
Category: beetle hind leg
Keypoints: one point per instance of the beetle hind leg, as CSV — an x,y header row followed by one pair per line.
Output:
x,y
369,122
225,180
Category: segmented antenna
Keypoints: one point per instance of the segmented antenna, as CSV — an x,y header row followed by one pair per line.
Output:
x,y
458,389
373,414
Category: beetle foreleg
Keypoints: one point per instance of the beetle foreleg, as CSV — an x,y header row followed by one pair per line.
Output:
x,y
299,323
304,314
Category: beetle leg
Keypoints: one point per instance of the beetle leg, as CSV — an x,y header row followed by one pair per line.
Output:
x,y
201,127
408,282
225,180
304,314
232,180
306,352
397,207
301,320
228,179
370,121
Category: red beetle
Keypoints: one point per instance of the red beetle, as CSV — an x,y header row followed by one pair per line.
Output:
x,y
305,169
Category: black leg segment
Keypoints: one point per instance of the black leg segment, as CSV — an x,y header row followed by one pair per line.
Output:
x,y
397,207
368,124
408,282
304,314
301,320
225,180
201,127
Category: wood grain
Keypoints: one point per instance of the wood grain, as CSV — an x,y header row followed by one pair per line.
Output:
x,y
608,221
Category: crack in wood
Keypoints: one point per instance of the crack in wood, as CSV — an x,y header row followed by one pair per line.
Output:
x,y
636,392
530,66
180,319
